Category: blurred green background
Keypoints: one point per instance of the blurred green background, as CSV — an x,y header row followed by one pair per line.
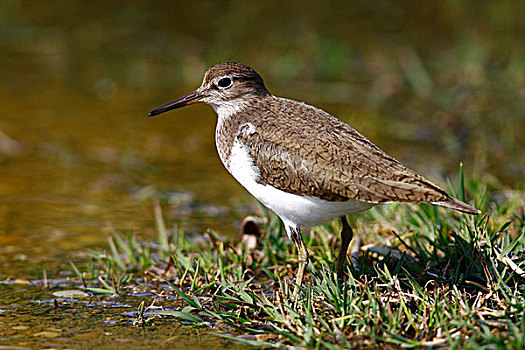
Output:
x,y
432,83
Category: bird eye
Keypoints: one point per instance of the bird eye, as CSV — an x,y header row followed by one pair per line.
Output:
x,y
225,82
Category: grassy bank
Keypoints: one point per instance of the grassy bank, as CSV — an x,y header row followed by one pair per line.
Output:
x,y
424,276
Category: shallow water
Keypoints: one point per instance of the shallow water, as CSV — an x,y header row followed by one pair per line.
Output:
x,y
79,157
41,320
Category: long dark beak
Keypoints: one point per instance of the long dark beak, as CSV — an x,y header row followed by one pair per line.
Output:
x,y
189,99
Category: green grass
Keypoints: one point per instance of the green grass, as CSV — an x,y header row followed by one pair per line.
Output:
x,y
427,277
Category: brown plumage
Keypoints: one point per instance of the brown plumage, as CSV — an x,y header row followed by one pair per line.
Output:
x,y
303,150
301,162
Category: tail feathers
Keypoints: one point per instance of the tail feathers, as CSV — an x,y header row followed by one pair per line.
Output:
x,y
458,205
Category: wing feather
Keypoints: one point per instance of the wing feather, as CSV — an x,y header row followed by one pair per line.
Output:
x,y
328,159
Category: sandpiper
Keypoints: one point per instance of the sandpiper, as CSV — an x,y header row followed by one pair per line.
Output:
x,y
301,162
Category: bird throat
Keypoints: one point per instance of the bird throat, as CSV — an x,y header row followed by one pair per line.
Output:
x,y
230,116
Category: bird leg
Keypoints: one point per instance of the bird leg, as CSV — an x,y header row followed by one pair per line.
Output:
x,y
302,255
346,237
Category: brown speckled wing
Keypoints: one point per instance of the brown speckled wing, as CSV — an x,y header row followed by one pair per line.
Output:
x,y
305,151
